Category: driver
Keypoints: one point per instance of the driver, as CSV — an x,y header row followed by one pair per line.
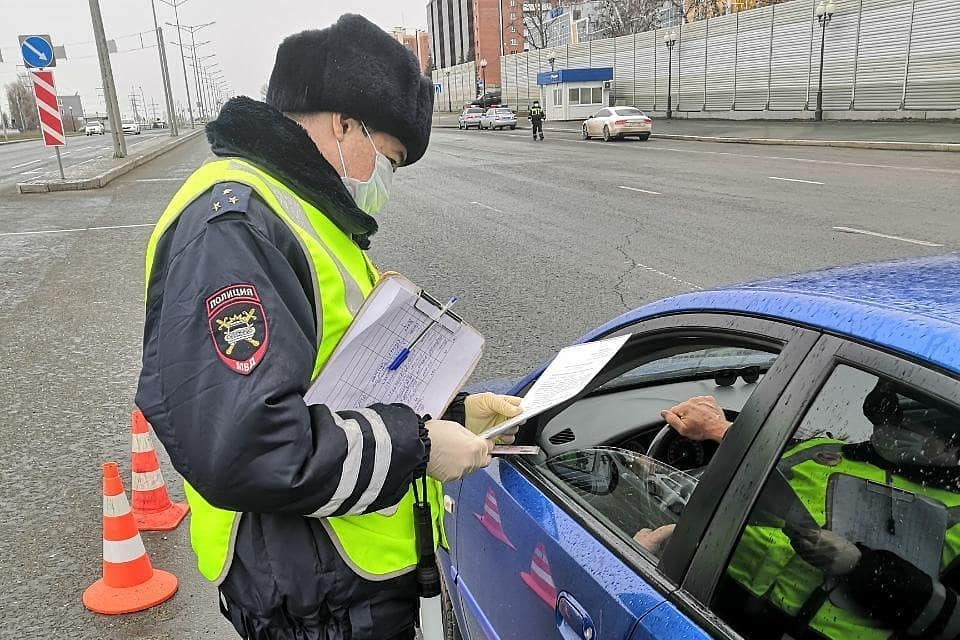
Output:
x,y
812,582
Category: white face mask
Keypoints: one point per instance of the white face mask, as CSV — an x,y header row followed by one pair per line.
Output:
x,y
371,194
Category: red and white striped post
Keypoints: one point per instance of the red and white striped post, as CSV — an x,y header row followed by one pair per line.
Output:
x,y
51,123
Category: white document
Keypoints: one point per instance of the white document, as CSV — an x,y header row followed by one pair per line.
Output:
x,y
569,373
357,375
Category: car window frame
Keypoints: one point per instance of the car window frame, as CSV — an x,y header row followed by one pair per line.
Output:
x,y
794,343
711,559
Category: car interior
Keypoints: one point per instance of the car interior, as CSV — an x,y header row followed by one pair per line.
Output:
x,y
611,450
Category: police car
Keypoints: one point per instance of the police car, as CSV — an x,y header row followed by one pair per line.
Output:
x,y
622,528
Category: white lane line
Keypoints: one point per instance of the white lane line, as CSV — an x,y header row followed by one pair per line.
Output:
x,y
49,231
85,162
486,206
31,172
653,193
25,164
794,180
864,232
160,180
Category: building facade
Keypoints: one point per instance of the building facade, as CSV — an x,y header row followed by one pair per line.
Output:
x,y
71,110
450,26
417,43
498,30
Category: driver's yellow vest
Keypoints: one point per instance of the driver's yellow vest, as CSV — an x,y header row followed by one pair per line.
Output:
x,y
377,546
765,563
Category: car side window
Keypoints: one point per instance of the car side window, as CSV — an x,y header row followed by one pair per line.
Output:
x,y
855,533
613,452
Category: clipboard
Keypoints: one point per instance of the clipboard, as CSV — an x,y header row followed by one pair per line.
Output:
x,y
356,375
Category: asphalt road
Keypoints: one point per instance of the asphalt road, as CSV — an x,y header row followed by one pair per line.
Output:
x,y
541,241
23,160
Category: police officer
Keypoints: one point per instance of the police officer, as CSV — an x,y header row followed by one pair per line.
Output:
x,y
303,517
536,118
813,582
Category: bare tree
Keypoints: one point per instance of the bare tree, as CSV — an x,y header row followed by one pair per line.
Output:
x,y
536,17
22,104
623,17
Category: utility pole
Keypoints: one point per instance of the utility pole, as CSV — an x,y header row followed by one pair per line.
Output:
x,y
186,83
133,105
165,73
109,88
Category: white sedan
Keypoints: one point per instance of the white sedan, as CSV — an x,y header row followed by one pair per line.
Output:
x,y
131,126
617,122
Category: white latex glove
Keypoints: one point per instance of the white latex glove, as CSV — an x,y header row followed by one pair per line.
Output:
x,y
823,549
487,410
454,451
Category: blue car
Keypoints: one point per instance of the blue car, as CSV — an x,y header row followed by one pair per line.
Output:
x,y
624,529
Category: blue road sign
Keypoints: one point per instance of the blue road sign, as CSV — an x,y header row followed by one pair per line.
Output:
x,y
437,88
37,51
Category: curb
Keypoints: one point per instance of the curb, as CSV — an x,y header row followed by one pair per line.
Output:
x,y
103,179
849,144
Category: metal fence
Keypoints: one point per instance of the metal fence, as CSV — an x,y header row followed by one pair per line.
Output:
x,y
459,86
881,55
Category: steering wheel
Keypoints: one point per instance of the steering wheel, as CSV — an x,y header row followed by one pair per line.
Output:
x,y
670,448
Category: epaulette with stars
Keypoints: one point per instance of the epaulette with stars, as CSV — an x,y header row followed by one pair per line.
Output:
x,y
228,197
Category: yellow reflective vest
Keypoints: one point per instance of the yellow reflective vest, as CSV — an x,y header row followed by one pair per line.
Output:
x,y
765,563
377,546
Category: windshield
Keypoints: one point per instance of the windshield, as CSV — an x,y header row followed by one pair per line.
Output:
x,y
474,110
629,111
701,364
127,121
506,111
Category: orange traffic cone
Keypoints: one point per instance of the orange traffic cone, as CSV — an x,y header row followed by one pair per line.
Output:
x,y
540,580
129,582
490,519
152,508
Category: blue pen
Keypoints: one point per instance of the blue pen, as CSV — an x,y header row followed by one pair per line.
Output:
x,y
397,361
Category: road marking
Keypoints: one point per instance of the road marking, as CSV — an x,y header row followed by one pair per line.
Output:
x,y
31,172
85,161
689,285
486,206
48,231
864,232
653,193
794,180
160,180
865,165
25,164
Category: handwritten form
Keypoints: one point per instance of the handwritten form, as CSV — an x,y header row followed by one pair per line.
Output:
x,y
568,374
356,374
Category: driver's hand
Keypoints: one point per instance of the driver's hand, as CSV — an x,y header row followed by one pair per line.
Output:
x,y
653,539
699,418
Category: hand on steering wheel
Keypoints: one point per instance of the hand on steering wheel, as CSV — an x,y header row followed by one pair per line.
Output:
x,y
699,418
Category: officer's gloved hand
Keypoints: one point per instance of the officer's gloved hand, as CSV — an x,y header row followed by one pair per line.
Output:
x,y
487,410
454,451
823,549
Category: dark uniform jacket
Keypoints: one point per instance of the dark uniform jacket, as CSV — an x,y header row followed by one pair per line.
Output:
x,y
246,441
537,115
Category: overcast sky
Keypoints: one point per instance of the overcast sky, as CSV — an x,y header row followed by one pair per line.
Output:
x,y
245,39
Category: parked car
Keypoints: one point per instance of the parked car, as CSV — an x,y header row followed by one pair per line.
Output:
x,y
498,118
487,100
470,117
549,545
617,122
93,127
131,127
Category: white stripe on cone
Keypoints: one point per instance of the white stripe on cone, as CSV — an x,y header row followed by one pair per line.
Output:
x,y
539,565
147,481
490,507
141,443
124,550
114,506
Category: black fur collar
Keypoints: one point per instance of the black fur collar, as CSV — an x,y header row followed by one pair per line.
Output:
x,y
262,135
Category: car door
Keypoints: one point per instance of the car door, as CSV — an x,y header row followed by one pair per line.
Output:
x,y
531,558
827,400
595,124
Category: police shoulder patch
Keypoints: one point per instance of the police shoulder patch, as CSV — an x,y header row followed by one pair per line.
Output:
x,y
228,197
238,326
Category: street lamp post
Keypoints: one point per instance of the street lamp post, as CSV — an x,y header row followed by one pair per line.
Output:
x,y
449,97
186,82
73,122
670,39
483,75
824,13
